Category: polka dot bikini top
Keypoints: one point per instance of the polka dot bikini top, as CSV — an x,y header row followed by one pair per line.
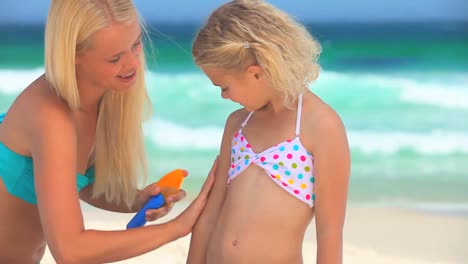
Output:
x,y
288,163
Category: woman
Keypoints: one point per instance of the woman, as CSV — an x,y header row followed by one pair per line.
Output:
x,y
76,132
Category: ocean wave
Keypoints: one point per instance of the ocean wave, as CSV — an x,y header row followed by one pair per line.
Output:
x,y
14,81
166,134
447,90
434,142
439,90
451,93
169,135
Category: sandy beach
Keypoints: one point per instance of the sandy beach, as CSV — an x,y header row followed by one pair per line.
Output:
x,y
371,235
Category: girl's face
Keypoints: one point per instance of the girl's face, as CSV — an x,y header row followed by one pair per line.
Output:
x,y
112,58
247,87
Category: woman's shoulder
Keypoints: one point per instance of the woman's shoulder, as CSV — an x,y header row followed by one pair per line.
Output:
x,y
42,102
37,107
39,104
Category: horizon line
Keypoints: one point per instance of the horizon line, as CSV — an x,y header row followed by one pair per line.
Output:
x,y
329,22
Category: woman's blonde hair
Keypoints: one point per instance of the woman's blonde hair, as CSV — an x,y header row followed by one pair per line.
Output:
x,y
119,155
245,32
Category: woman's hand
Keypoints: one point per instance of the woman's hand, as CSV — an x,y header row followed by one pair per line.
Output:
x,y
152,190
187,219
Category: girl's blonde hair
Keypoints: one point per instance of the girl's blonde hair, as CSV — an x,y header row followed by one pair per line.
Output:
x,y
119,155
245,32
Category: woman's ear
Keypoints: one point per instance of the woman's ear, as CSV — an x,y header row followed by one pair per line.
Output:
x,y
78,59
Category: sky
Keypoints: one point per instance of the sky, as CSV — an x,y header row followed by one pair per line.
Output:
x,y
35,11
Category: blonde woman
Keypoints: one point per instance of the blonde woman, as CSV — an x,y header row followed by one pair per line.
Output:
x,y
284,156
76,132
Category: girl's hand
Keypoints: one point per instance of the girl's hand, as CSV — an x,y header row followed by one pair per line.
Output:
x,y
152,190
187,219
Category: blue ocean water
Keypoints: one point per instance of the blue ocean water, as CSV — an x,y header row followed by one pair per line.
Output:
x,y
401,90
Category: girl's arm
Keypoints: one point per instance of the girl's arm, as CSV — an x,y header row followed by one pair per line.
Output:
x,y
206,223
331,169
55,167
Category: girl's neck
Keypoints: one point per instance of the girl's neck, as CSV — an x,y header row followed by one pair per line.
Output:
x,y
275,106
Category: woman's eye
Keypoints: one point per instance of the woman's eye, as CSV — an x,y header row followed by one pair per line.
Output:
x,y
136,45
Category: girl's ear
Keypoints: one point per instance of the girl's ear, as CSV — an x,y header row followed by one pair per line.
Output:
x,y
255,71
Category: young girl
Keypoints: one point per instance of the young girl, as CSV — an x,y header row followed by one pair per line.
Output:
x,y
284,156
76,132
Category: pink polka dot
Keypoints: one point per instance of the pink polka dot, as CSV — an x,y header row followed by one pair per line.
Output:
x,y
273,176
262,159
308,197
275,157
235,135
289,140
296,191
303,158
233,166
289,156
242,139
285,184
247,146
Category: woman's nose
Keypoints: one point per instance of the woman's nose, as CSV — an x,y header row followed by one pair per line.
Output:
x,y
133,61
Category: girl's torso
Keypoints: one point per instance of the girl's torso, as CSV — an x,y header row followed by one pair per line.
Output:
x,y
261,220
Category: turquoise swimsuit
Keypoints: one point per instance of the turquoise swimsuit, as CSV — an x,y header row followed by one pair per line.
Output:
x,y
17,174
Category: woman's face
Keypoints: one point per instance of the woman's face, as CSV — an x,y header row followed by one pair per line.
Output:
x,y
112,58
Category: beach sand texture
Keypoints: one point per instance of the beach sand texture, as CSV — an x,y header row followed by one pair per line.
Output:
x,y
372,235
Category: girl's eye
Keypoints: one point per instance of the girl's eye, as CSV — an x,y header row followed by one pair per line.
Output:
x,y
115,60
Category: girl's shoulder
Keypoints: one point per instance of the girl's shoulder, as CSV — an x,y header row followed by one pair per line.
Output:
x,y
316,110
235,119
319,120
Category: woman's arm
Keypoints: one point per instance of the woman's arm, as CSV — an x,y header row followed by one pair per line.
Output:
x,y
141,197
331,169
100,202
55,167
206,223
